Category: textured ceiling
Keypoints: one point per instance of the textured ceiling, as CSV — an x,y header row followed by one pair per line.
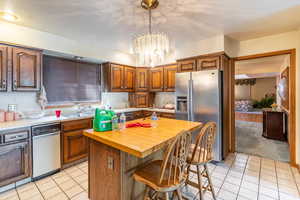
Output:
x,y
116,22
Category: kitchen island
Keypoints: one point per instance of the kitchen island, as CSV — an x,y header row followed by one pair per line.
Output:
x,y
115,155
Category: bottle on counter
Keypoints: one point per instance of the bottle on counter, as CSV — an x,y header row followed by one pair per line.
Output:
x,y
154,119
122,121
115,123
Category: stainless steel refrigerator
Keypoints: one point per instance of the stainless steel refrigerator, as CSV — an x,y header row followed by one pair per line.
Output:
x,y
199,98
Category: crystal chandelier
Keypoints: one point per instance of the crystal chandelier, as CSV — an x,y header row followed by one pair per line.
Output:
x,y
151,48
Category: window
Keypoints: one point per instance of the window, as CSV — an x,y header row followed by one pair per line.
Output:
x,y
70,81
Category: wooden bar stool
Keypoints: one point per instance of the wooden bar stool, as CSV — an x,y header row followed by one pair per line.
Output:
x,y
200,154
167,175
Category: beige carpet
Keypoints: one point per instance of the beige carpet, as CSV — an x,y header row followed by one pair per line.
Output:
x,y
249,140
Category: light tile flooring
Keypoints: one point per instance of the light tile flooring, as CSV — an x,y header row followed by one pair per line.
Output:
x,y
71,183
240,177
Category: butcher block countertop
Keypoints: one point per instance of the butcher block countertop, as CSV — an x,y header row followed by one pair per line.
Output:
x,y
141,142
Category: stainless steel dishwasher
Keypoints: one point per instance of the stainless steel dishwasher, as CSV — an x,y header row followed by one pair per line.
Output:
x,y
45,150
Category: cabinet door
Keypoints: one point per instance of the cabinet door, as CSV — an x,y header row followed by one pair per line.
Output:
x,y
26,69
156,79
15,162
208,63
3,68
169,78
116,77
142,99
74,146
187,65
129,79
142,79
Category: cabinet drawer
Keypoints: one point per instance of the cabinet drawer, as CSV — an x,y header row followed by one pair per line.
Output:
x,y
15,136
76,125
208,63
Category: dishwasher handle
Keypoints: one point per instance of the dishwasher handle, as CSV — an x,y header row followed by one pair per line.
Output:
x,y
46,135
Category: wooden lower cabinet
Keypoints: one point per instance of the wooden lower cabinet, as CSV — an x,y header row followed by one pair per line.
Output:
x,y
74,144
15,156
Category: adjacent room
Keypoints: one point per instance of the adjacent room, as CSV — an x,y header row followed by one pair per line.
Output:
x,y
261,91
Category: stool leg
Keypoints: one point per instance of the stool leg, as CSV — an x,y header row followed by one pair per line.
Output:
x,y
167,196
209,181
178,193
188,174
146,193
199,182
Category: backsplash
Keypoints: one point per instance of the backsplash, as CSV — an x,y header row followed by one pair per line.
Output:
x,y
163,98
115,99
26,101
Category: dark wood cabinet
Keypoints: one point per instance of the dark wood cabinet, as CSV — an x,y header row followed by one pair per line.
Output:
x,y
274,125
156,79
129,79
74,143
15,156
142,79
26,69
3,68
188,65
208,63
141,99
118,78
169,78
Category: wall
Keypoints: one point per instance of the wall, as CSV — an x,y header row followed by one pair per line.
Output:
x,y
115,99
258,91
284,41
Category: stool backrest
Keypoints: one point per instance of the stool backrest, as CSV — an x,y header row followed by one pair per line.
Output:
x,y
175,157
203,150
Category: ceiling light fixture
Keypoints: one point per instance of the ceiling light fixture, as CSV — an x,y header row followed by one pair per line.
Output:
x,y
151,48
8,16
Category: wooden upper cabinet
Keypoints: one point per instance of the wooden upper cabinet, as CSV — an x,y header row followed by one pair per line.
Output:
x,y
116,77
208,63
142,79
129,79
169,78
26,69
3,68
156,79
187,65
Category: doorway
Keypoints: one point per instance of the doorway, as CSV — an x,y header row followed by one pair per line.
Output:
x,y
247,122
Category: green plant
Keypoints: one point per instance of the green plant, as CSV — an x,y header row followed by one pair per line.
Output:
x,y
265,102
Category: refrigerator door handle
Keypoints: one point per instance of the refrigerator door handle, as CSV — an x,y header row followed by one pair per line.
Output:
x,y
190,100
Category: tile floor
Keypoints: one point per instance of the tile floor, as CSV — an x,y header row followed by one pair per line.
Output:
x,y
240,177
71,183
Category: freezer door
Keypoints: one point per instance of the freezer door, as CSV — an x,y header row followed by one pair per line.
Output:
x,y
182,95
206,102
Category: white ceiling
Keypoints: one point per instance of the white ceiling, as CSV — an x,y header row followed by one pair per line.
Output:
x,y
116,22
262,67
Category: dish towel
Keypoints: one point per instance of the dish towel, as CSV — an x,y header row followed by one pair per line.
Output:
x,y
42,98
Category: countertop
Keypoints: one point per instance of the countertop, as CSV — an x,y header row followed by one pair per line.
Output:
x,y
4,126
141,142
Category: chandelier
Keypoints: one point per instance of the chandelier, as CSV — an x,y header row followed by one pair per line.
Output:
x,y
151,48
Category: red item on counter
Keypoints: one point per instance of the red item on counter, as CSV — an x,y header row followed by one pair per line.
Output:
x,y
57,113
133,125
